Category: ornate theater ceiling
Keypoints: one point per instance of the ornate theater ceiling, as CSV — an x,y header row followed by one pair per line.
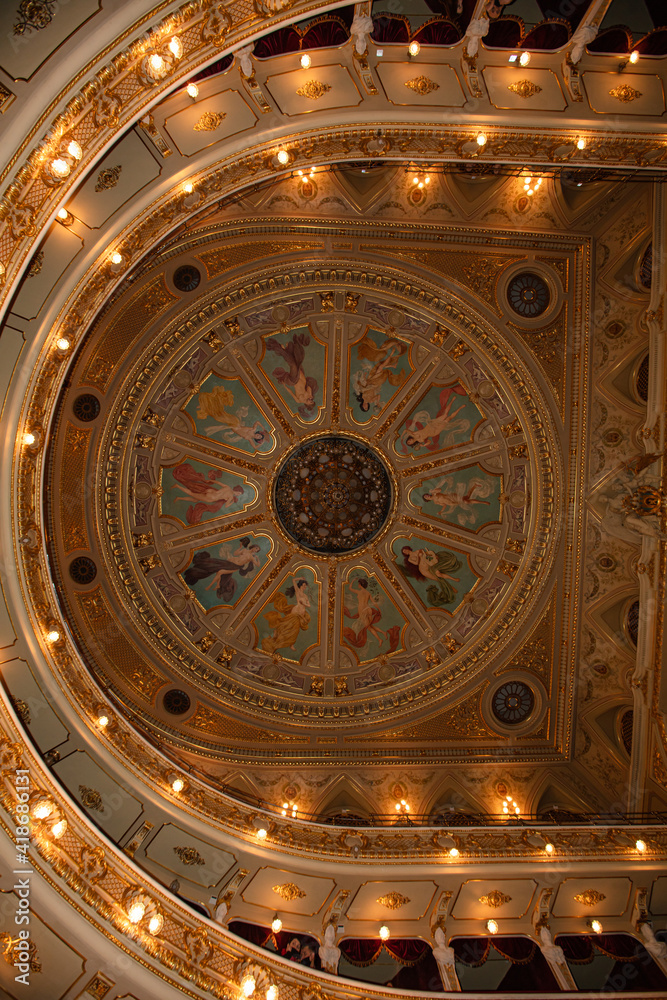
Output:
x,y
336,490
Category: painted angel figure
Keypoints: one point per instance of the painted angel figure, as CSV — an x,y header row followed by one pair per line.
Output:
x,y
425,564
433,432
243,560
301,387
368,380
288,619
211,496
365,618
449,496
232,426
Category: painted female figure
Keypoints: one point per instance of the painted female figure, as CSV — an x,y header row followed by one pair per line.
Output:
x,y
288,619
426,431
368,380
462,495
301,387
231,425
426,565
244,560
211,495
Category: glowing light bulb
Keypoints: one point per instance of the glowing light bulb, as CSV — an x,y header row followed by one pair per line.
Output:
x,y
481,139
248,985
549,848
454,852
177,785
261,833
116,258
62,343
28,438
63,213
155,924
596,926
427,179
276,925
103,721
192,91
272,993
74,150
42,809
156,63
188,187
176,47
420,185
60,168
633,57
641,846
492,926
524,58
384,933
282,156
58,829
414,48
53,635
135,911
581,144
305,61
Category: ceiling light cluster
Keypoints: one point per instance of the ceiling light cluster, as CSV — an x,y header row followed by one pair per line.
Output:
x,y
160,61
59,166
421,180
522,58
531,185
289,808
510,807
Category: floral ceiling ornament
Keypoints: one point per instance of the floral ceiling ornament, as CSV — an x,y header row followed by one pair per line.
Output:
x,y
625,93
288,891
108,178
589,897
189,855
393,900
422,85
209,121
495,898
525,88
313,90
91,798
33,15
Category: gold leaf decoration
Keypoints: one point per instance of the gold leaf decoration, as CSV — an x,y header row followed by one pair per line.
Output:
x,y
393,900
313,90
289,891
422,85
91,798
625,93
525,88
189,855
108,178
589,897
495,898
210,121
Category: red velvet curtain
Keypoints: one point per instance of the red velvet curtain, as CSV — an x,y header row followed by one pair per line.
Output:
x,y
438,32
547,37
518,950
505,33
534,974
250,932
391,28
471,951
407,951
616,39
577,948
360,951
653,44
282,40
328,31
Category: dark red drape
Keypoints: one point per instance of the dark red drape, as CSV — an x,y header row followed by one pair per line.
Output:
x,y
528,976
438,32
250,932
360,951
505,33
217,67
328,31
407,951
519,950
471,950
547,37
282,40
391,28
577,948
422,976
616,39
653,44
365,951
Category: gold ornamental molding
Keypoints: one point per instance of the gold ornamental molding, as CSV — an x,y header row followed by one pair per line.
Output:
x,y
209,121
625,93
189,855
422,85
313,90
495,899
589,897
393,900
525,88
289,891
108,178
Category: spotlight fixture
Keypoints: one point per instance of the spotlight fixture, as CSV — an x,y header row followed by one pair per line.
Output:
x,y
261,833
176,47
136,911
492,926
641,846
116,258
188,187
53,635
63,344
64,217
384,933
549,847
58,829
192,91
524,58
454,852
156,63
276,924
177,785
60,168
305,61
633,57
28,438
74,150
155,924
283,157
581,144
103,721
42,809
595,926
414,48
481,139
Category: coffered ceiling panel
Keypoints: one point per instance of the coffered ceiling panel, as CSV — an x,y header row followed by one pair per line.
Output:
x,y
275,889
207,121
318,89
587,897
384,901
421,83
500,898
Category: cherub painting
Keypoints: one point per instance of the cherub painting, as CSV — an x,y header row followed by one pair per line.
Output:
x,y
445,417
290,624
196,492
468,497
299,373
222,578
371,625
224,411
382,369
441,578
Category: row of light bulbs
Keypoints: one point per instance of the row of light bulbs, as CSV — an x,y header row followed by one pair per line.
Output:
x,y
249,985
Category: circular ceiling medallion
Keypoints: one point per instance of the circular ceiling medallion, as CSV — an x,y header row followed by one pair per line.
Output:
x,y
86,407
82,570
186,278
176,702
513,702
528,294
332,495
